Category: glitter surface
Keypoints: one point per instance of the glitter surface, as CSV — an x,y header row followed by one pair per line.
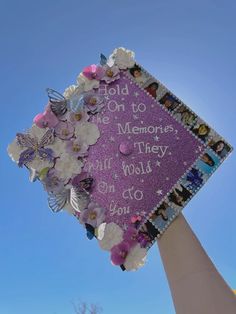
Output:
x,y
162,149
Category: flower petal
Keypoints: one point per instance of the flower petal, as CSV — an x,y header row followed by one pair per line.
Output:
x,y
87,132
135,258
113,234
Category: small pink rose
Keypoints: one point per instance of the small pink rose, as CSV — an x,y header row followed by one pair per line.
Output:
x,y
47,119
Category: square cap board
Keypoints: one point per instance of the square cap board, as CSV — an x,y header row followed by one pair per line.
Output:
x,y
121,153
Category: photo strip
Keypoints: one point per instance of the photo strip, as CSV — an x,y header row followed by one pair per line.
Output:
x,y
162,217
208,162
179,196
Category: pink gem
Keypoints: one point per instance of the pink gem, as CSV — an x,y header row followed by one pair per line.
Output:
x,y
126,148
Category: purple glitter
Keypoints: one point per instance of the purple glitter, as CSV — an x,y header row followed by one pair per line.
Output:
x,y
162,150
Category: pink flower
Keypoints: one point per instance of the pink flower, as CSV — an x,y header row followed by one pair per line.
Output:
x,y
111,73
119,253
143,239
64,130
47,119
93,72
77,148
93,215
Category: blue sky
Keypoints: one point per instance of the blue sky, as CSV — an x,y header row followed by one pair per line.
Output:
x,y
46,260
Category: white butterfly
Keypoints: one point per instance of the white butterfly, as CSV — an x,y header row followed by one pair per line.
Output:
x,y
76,198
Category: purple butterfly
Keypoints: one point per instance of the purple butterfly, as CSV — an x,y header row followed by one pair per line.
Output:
x,y
34,147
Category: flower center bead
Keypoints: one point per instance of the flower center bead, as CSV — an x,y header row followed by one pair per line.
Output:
x,y
78,116
94,75
76,148
109,73
93,101
93,215
64,132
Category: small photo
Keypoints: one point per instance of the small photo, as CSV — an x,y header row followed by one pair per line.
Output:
x,y
207,162
162,90
220,147
152,87
139,76
150,231
184,115
193,180
163,215
202,130
169,102
179,196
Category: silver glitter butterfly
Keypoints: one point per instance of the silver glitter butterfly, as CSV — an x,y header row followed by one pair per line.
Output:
x,y
58,102
76,198
34,147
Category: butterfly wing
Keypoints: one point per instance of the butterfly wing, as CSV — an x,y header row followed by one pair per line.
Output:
x,y
56,202
90,231
46,153
54,96
76,103
25,140
26,156
59,108
47,139
86,184
78,199
103,59
58,103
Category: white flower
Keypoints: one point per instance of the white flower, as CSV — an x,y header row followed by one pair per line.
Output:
x,y
67,166
37,132
87,132
86,84
122,57
113,235
135,258
14,150
58,147
72,90
39,164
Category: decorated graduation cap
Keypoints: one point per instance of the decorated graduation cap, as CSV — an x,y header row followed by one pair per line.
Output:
x,y
121,153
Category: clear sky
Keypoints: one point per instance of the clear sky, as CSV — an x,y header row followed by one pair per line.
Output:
x,y
46,261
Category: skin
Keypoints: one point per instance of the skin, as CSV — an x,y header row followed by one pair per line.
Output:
x,y
137,73
168,103
179,199
202,130
206,159
162,213
220,147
